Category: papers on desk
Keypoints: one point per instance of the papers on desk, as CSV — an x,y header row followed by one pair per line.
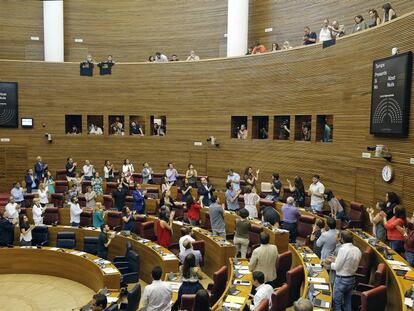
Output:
x,y
316,280
241,282
314,265
78,253
398,265
396,262
178,222
169,257
235,299
240,267
231,306
175,286
54,248
280,230
243,272
408,302
109,270
110,299
309,255
321,286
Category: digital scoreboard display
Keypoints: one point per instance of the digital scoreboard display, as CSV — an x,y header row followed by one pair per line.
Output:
x,y
391,94
9,116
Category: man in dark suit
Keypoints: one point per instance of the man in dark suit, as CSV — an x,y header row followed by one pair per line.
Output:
x,y
6,230
205,191
40,167
119,196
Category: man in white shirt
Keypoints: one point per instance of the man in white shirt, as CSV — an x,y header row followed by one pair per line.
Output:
x,y
193,57
75,212
188,249
187,235
157,295
325,33
263,291
37,212
316,191
234,178
95,130
345,265
88,170
171,173
13,210
160,58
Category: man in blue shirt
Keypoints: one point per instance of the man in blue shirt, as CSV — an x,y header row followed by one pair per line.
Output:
x,y
234,178
232,197
310,37
138,195
17,193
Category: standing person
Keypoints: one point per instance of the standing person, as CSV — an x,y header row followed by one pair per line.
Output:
x,y
275,47
298,191
17,193
377,220
70,168
316,191
242,133
395,229
104,240
193,211
13,209
138,196
38,212
186,234
232,197
345,265
127,219
6,229
97,184
337,211
25,231
327,240
389,13
375,20
135,129
40,169
270,215
90,197
75,212
186,190
98,215
119,196
165,184
325,33
88,170
250,178
167,201
360,24
147,173
157,295
241,236
309,36
263,291
164,228
234,178
290,218
264,259
206,192
391,200
251,198
276,187
49,182
128,170
108,171
30,181
191,174
171,174
316,233
43,194
216,212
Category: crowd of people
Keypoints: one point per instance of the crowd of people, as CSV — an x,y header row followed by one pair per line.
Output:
x,y
162,58
334,247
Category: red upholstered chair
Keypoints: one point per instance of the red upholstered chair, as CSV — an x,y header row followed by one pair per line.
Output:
x,y
85,185
254,239
283,264
61,186
263,305
365,265
374,299
82,200
114,220
286,193
179,209
305,225
180,180
28,199
241,201
294,279
51,216
153,192
280,298
200,246
207,222
187,302
147,231
110,187
60,175
356,215
307,200
217,288
156,178
108,201
137,177
57,199
86,218
129,201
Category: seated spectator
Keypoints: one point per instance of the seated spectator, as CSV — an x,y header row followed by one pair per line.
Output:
x,y
286,46
389,13
192,57
275,47
13,210
151,59
251,198
105,67
360,24
264,259
374,19
127,219
25,231
303,304
270,215
157,295
232,197
327,240
98,215
117,127
188,249
310,37
377,220
259,48
164,228
95,130
263,291
290,219
17,194
186,234
242,132
193,211
99,302
74,130
337,210
249,51
395,229
306,131
202,301
337,30
160,58
30,181
90,197
325,33
174,58
136,129
316,233
241,236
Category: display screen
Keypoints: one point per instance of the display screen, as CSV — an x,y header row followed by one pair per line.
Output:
x,y
27,122
9,116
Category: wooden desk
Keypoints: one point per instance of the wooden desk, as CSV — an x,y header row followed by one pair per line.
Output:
x,y
396,285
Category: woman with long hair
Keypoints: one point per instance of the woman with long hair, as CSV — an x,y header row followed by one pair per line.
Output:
x,y
127,219
49,182
389,13
391,201
337,210
251,178
108,171
43,193
396,229
128,170
191,174
164,227
251,198
298,191
360,24
377,220
375,20
25,231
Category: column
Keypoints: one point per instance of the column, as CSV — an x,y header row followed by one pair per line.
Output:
x,y
237,27
53,30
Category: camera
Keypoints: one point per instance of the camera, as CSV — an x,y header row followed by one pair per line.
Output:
x,y
49,137
369,148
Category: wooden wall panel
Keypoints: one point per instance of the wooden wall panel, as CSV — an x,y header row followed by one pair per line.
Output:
x,y
199,99
289,17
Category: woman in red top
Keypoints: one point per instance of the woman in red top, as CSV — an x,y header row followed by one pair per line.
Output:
x,y
395,229
164,228
193,211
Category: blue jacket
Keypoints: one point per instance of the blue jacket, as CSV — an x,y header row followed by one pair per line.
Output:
x,y
138,205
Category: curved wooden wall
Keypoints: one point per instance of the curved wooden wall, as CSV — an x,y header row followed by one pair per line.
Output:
x,y
199,100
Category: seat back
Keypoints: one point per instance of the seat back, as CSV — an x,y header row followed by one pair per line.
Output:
x,y
28,199
254,234
157,177
294,279
129,201
280,298
147,230
263,305
365,265
283,264
61,186
86,218
380,275
137,178
153,192
200,246
90,245
305,225
66,240
85,185
114,220
207,222
57,199
133,262
187,302
355,211
51,216
134,297
60,175
108,202
40,235
220,280
286,193
82,200
111,187
374,299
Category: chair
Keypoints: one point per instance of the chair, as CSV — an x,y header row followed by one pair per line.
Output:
x,y
61,186
286,193
114,220
200,246
134,297
365,265
283,264
118,259
57,199
108,201
263,305
280,298
207,222
86,218
156,178
66,240
112,307
217,288
28,199
187,302
294,279
137,178
60,175
147,231
82,200
51,216
355,215
305,226
90,245
374,299
85,185
110,187
153,192
129,269
179,210
40,236
254,239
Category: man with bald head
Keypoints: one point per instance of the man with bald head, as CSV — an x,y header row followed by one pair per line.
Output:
x,y
290,218
303,304
188,249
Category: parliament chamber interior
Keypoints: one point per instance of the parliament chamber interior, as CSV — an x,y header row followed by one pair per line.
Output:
x,y
206,155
